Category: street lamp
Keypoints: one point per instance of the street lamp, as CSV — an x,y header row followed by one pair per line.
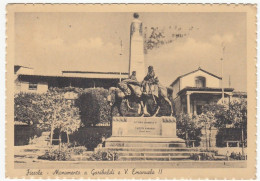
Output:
x,y
222,74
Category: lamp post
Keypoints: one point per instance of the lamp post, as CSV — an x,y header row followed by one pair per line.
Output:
x,y
222,72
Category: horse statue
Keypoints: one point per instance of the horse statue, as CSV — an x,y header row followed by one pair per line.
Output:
x,y
160,93
118,95
137,95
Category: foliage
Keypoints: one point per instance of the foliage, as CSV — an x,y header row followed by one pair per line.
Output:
x,y
57,154
238,113
65,153
90,137
237,156
27,111
232,113
188,127
46,110
94,107
203,156
213,115
78,150
104,156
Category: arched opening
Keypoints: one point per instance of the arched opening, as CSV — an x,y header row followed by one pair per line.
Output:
x,y
200,81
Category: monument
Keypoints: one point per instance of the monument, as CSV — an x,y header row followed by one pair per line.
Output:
x,y
144,138
136,56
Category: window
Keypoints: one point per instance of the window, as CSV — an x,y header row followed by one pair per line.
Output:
x,y
32,86
200,81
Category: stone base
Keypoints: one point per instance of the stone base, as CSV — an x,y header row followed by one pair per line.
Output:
x,y
146,138
144,127
144,142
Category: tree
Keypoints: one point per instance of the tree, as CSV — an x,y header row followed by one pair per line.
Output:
x,y
47,112
238,113
188,127
58,113
212,116
232,113
27,111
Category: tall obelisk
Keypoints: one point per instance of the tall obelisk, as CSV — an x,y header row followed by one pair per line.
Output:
x,y
136,56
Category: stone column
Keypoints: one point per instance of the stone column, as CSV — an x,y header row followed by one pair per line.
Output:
x,y
136,56
188,103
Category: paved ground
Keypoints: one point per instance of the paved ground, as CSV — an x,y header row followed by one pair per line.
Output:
x,y
124,164
28,159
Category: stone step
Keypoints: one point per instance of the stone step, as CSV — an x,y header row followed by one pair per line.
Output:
x,y
134,144
152,158
125,153
148,149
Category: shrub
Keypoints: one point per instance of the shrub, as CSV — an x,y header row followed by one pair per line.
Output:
x,y
237,156
104,156
27,111
78,150
57,154
203,156
90,137
94,107
188,128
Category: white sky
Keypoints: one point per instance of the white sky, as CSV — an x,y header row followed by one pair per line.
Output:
x,y
52,42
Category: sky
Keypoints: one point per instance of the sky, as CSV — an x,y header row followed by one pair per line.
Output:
x,y
52,42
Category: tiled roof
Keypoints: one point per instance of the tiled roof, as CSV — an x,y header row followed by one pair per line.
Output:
x,y
194,72
205,89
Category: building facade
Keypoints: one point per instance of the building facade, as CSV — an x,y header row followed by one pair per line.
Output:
x,y
193,90
27,81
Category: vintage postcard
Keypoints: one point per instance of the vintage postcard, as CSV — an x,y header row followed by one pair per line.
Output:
x,y
131,91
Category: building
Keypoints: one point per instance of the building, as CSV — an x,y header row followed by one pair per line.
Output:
x,y
193,90
27,81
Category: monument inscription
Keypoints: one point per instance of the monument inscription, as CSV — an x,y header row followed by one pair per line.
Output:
x,y
144,126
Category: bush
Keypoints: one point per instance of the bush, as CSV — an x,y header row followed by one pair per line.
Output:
x,y
78,150
27,111
104,156
58,155
237,156
203,156
90,137
94,107
188,128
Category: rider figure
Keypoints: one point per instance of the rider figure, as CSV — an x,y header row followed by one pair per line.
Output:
x,y
149,79
131,80
133,76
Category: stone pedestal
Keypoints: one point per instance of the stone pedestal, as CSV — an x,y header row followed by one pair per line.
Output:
x,y
144,126
144,132
146,139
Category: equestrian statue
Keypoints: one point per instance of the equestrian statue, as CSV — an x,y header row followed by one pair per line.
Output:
x,y
131,90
